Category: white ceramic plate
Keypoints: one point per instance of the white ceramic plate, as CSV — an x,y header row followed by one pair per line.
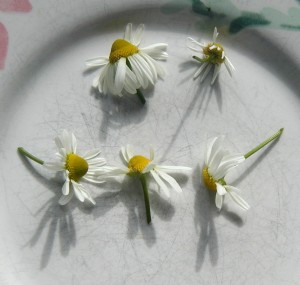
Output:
x,y
45,88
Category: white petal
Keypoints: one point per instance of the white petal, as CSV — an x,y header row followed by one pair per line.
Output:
x,y
215,35
170,180
120,75
200,69
73,143
196,42
156,51
128,32
209,153
221,189
238,199
77,191
219,201
65,199
138,72
66,187
91,153
138,35
216,72
169,168
228,162
207,69
230,68
161,184
97,61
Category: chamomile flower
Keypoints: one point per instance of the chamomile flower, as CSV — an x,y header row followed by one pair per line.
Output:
x,y
75,167
212,56
140,166
219,163
129,66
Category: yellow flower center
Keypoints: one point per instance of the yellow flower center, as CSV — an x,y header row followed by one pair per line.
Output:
x,y
137,164
121,48
77,166
213,53
209,181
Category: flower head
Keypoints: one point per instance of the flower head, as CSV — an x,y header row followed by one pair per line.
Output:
x,y
129,67
213,55
217,165
75,167
139,165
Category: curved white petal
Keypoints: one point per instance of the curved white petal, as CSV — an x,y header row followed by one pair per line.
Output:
x,y
66,187
228,162
77,191
136,40
156,51
161,184
219,201
170,180
237,199
90,154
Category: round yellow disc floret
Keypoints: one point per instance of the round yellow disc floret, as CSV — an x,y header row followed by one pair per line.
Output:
x,y
77,166
209,181
121,48
137,164
214,53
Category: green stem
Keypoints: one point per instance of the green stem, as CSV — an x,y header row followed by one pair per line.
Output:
x,y
22,151
146,197
261,145
202,60
138,91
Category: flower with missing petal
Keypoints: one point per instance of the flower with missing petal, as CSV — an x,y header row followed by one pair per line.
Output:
x,y
129,66
140,166
217,165
212,55
75,167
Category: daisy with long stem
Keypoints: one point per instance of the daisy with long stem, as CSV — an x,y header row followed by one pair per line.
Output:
x,y
75,167
129,66
217,165
141,167
212,55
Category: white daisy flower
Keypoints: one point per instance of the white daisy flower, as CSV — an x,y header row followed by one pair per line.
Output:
x,y
75,167
219,162
217,165
212,55
129,66
139,165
